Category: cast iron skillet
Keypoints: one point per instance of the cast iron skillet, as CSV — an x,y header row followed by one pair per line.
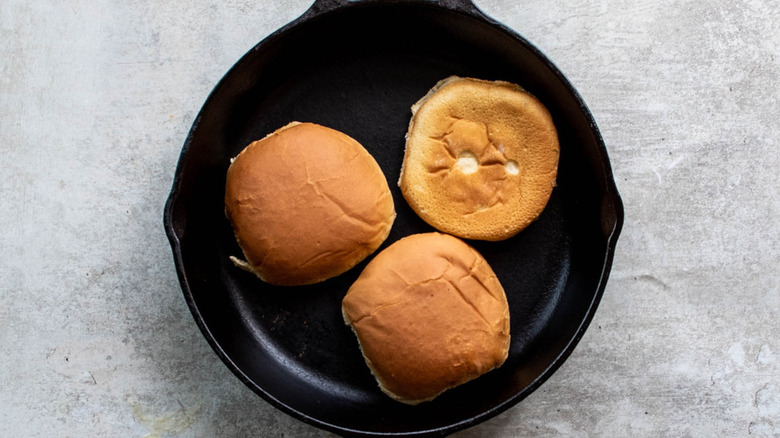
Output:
x,y
358,66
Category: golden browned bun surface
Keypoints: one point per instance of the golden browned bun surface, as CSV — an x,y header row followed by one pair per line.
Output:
x,y
306,203
481,158
429,315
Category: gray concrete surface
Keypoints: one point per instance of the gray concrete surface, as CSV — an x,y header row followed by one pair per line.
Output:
x,y
96,98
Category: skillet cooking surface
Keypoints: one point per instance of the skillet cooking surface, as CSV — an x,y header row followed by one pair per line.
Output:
x,y
358,68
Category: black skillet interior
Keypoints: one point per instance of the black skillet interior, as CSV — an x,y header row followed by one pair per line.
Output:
x,y
358,67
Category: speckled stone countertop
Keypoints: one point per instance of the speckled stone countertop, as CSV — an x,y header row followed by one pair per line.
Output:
x,y
96,98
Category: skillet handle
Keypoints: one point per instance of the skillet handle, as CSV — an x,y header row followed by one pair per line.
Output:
x,y
324,6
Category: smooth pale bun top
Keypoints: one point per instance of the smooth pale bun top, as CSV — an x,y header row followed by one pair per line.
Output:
x,y
429,314
481,158
306,203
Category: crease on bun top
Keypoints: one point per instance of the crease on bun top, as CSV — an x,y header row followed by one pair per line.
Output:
x,y
306,203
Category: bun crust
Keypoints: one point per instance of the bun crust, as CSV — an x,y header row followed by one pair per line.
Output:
x,y
306,203
481,158
429,315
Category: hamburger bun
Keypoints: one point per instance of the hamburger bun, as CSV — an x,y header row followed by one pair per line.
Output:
x,y
306,203
429,314
481,158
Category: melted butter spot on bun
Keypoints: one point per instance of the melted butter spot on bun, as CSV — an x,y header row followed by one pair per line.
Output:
x,y
467,163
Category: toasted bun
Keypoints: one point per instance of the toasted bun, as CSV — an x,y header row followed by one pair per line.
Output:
x,y
481,158
306,203
429,315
